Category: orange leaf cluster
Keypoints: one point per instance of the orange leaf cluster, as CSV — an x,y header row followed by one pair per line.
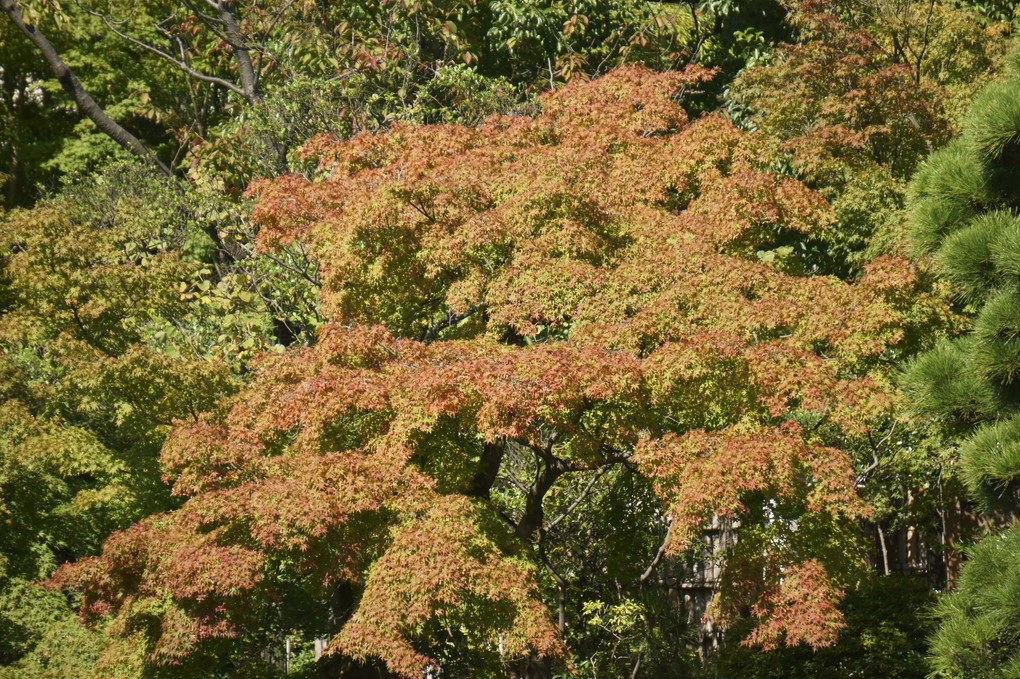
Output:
x,y
586,282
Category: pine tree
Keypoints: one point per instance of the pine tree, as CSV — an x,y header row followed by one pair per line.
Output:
x,y
965,200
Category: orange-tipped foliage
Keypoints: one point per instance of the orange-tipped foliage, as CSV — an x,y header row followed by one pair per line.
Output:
x,y
586,285
801,608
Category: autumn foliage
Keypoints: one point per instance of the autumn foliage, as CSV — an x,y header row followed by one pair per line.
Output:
x,y
595,286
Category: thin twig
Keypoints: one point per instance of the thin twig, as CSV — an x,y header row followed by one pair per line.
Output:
x,y
179,63
578,500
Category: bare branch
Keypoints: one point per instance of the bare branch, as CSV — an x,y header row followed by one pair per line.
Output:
x,y
658,556
268,31
924,41
876,461
213,23
448,320
561,584
578,500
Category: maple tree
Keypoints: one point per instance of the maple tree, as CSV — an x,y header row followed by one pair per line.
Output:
x,y
885,636
859,100
658,297
535,298
852,106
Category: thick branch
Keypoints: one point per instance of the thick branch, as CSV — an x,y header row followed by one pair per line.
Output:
x,y
86,104
534,513
249,81
492,458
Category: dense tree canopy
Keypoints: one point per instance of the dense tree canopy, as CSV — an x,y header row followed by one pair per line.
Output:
x,y
445,335
195,76
585,288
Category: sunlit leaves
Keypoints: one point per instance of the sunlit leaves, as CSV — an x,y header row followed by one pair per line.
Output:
x,y
584,286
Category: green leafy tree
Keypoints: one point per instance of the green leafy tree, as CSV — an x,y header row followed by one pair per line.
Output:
x,y
964,199
180,79
859,100
89,293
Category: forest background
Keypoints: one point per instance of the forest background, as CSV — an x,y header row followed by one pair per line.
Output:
x,y
442,330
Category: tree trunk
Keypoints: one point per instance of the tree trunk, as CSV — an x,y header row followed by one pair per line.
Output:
x,y
488,469
534,510
245,69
